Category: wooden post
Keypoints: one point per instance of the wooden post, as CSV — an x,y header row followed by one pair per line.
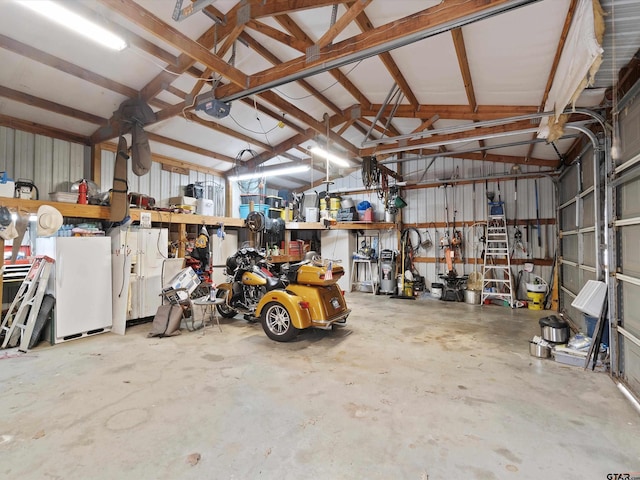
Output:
x,y
96,163
182,239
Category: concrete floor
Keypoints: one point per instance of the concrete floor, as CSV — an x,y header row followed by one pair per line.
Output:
x,y
409,390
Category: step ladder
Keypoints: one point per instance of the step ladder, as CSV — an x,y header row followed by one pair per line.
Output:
x,y
496,275
18,323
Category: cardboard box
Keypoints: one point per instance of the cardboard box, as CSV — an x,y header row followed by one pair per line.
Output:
x,y
187,279
204,206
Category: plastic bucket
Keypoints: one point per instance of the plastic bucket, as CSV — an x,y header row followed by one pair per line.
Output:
x,y
408,289
536,301
436,290
244,211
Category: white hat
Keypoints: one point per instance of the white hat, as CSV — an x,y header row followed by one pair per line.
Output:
x,y
9,232
49,220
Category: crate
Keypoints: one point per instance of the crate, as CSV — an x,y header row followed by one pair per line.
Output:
x,y
186,278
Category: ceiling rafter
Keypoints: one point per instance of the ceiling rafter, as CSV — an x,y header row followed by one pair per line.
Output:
x,y
556,60
154,25
343,22
50,106
454,112
226,46
188,147
366,25
254,44
291,26
465,71
474,132
39,129
379,38
65,66
164,160
164,79
172,36
192,117
292,41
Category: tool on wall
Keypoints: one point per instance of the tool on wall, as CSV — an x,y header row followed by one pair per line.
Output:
x,y
538,215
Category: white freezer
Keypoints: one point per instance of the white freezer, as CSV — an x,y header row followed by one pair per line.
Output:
x,y
81,285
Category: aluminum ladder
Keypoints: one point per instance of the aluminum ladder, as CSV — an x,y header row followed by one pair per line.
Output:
x,y
21,317
496,275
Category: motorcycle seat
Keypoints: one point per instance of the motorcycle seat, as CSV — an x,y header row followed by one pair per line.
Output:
x,y
274,283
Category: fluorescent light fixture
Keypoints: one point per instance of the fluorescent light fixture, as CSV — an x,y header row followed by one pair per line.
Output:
x,y
75,22
341,162
269,173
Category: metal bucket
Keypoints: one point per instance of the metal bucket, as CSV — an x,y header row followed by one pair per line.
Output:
x,y
472,296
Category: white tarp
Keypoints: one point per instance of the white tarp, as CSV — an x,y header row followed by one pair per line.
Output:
x,y
579,61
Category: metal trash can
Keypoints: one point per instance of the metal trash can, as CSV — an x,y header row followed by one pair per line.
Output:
x,y
387,265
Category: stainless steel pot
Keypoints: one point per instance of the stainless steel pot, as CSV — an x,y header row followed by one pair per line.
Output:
x,y
555,334
540,351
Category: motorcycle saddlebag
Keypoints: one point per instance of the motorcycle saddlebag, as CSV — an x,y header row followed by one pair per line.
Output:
x,y
312,275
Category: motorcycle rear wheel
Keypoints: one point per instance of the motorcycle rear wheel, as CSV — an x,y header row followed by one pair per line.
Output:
x,y
223,309
276,323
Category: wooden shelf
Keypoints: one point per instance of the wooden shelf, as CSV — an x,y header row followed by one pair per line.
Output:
x,y
340,226
96,212
186,218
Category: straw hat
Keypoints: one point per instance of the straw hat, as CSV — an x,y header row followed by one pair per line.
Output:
x,y
9,232
49,220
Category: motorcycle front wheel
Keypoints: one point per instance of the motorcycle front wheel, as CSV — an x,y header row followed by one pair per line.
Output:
x,y
223,308
276,323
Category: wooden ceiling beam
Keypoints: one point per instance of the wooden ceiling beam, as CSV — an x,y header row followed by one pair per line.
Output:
x,y
465,71
556,60
154,137
292,27
319,127
192,117
261,9
171,162
64,66
365,25
154,25
275,61
226,46
378,38
39,129
163,80
54,107
353,10
292,41
453,112
474,132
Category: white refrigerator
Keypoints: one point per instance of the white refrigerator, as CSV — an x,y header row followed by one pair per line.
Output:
x,y
140,258
81,284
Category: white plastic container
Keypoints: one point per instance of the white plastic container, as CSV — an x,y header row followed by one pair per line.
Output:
x,y
311,214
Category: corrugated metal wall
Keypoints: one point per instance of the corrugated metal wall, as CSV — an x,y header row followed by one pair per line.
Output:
x,y
161,184
51,164
426,205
